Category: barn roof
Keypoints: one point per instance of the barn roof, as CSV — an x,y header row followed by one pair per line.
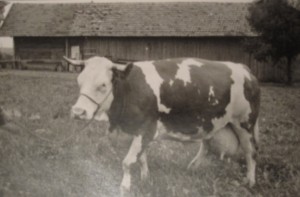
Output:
x,y
128,19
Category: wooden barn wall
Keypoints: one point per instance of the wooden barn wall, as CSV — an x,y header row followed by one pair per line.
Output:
x,y
132,48
51,48
214,48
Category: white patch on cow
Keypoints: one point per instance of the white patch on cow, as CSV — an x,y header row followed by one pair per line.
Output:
x,y
181,137
183,72
211,96
163,134
238,71
131,158
238,108
211,93
144,166
154,81
101,116
161,130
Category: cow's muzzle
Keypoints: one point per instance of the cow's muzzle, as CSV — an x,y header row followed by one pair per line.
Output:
x,y
78,113
79,110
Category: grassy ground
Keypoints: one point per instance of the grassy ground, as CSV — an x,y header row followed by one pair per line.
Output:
x,y
47,156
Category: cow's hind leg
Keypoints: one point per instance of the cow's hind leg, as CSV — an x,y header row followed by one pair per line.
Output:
x,y
247,140
196,161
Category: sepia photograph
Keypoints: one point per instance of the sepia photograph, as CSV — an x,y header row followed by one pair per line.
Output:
x,y
149,98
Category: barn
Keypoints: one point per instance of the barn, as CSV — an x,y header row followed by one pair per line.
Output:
x,y
43,33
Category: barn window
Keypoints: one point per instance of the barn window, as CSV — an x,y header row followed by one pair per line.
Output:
x,y
75,52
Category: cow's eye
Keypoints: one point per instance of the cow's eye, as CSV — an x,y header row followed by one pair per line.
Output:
x,y
102,87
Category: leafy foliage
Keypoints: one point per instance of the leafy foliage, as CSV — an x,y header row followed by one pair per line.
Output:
x,y
278,26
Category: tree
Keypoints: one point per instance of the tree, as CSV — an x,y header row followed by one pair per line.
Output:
x,y
295,3
277,24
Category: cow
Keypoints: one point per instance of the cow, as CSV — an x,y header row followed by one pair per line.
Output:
x,y
183,99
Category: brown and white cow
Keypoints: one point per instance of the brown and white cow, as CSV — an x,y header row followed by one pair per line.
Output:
x,y
185,99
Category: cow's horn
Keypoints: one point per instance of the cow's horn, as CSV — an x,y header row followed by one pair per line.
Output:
x,y
74,62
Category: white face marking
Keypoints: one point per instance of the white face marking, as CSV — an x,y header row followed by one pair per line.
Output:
x,y
154,81
95,82
183,72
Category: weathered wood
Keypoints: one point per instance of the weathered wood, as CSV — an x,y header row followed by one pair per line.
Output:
x,y
145,48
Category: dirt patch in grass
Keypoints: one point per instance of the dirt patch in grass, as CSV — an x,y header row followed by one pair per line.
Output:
x,y
88,163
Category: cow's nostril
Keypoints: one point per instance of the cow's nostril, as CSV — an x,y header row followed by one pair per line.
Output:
x,y
78,111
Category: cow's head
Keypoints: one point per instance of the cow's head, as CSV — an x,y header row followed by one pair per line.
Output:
x,y
95,84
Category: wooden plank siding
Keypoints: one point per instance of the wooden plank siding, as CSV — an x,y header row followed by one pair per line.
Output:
x,y
227,49
145,48
43,53
39,48
151,48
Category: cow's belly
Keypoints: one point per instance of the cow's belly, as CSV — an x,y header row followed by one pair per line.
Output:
x,y
196,121
164,133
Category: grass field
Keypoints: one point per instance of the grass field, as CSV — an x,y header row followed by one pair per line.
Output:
x,y
46,155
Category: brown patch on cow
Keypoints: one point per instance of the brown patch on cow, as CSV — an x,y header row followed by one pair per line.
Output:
x,y
134,103
167,69
189,103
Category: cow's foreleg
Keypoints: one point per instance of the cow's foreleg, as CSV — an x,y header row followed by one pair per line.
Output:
x,y
199,156
132,156
246,141
144,166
